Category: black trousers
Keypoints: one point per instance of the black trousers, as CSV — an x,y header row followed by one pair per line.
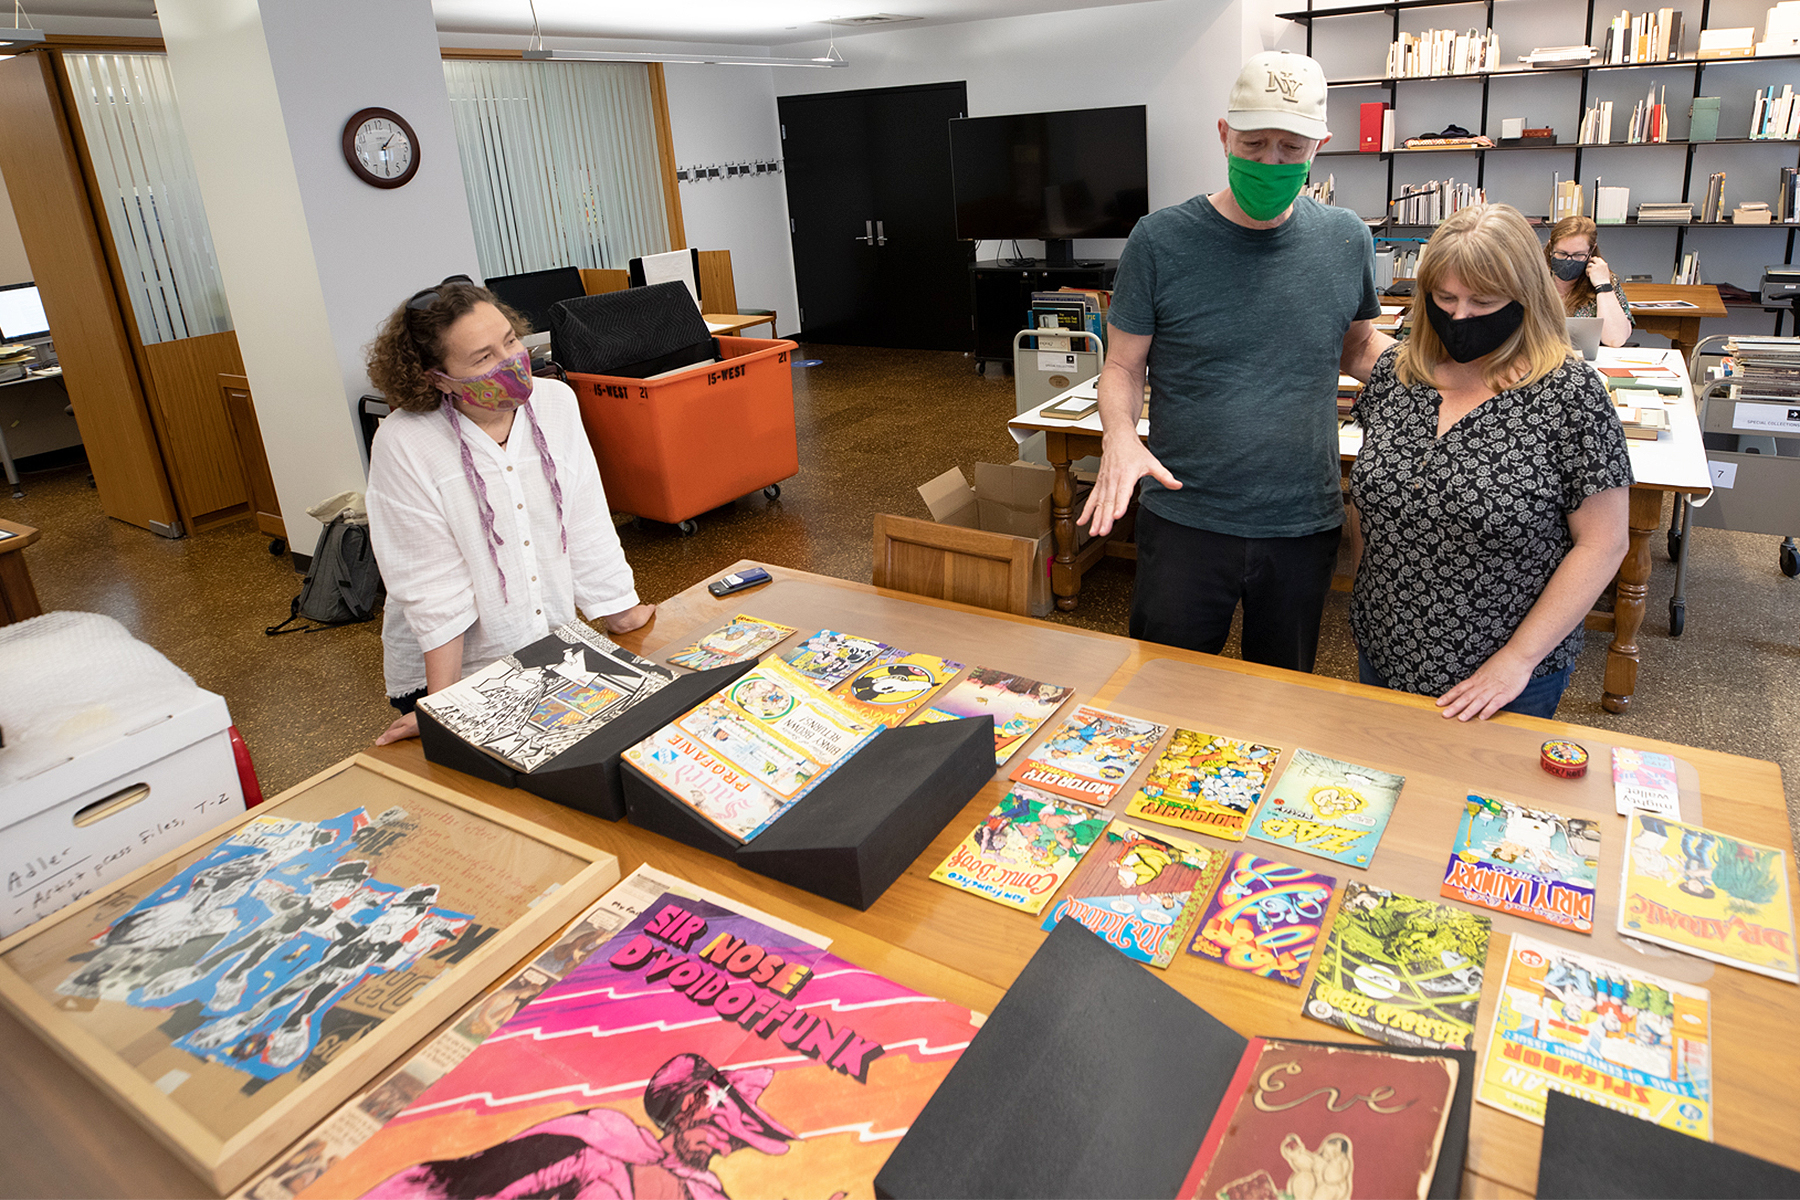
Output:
x,y
1190,581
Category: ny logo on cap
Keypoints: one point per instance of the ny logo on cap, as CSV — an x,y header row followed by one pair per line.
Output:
x,y
1285,82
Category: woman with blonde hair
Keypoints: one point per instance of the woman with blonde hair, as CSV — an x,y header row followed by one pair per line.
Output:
x,y
485,503
1584,282
1488,503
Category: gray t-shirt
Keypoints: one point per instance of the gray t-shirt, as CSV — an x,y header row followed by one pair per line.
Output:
x,y
1249,327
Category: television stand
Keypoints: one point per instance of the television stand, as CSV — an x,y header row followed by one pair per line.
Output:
x,y
1000,294
1060,252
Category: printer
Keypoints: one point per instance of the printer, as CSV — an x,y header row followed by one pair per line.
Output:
x,y
1781,284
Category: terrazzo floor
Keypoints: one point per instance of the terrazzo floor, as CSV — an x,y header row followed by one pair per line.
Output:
x,y
873,425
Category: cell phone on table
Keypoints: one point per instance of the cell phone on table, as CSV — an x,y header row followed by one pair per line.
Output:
x,y
738,582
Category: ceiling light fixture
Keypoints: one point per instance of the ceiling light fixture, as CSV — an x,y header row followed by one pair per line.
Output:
x,y
23,35
536,51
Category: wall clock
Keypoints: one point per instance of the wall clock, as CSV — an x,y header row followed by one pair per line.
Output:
x,y
381,148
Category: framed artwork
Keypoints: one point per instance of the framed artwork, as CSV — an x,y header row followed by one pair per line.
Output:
x,y
240,988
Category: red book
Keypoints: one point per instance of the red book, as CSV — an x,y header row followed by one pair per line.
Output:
x,y
1311,1120
1371,126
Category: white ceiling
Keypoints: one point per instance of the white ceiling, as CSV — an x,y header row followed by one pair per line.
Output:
x,y
732,22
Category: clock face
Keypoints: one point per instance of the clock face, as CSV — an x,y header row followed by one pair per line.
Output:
x,y
383,148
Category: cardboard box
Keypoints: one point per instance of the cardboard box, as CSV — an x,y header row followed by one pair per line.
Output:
x,y
94,818
1012,499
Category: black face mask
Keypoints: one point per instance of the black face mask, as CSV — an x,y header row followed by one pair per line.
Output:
x,y
1474,337
1567,269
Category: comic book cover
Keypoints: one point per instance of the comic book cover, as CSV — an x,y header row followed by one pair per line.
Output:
x,y
1205,783
829,657
1142,892
1023,850
750,752
1720,897
1264,918
1302,1122
891,688
1090,755
699,1054
746,637
530,706
1337,810
1401,970
1534,864
1610,1034
1645,779
1018,706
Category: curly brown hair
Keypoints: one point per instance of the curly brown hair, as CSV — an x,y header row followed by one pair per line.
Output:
x,y
411,342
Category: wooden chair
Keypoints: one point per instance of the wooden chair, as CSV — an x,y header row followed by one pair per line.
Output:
x,y
949,562
718,288
598,282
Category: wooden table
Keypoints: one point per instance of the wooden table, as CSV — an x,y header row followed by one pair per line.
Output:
x,y
18,598
1675,463
64,1138
1681,326
736,323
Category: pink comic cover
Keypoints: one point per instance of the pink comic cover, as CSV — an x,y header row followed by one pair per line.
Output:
x,y
699,1054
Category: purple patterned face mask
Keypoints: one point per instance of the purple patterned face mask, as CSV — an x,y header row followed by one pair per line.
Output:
x,y
501,389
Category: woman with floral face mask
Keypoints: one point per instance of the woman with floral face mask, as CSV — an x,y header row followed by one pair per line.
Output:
x,y
1489,500
485,504
1586,284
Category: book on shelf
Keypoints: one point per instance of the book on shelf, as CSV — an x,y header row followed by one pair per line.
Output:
x,y
1643,38
1775,117
1322,190
1689,270
1727,43
1651,212
1596,125
1751,213
1387,130
1781,31
1559,56
1443,52
1430,202
1610,204
1703,119
1787,195
1714,205
1372,115
1565,199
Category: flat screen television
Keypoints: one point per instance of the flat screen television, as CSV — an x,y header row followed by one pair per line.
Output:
x,y
22,313
531,294
1051,175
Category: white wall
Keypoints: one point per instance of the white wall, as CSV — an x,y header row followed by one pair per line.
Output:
x,y
727,115
14,267
313,258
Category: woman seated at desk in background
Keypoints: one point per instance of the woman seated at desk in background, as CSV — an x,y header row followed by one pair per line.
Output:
x,y
485,503
1489,500
1584,281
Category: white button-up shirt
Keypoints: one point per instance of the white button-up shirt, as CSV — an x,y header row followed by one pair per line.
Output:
x,y
428,537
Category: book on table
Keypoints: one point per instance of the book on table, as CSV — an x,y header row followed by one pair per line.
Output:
x,y
743,638
1205,783
1017,704
1141,891
1090,755
1525,861
1023,850
1324,806
1265,918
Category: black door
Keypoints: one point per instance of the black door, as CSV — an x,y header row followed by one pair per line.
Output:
x,y
876,258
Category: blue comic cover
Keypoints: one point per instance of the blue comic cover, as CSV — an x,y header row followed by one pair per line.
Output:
x,y
1533,864
1337,810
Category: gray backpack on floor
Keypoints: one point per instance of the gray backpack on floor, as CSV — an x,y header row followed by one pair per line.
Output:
x,y
343,585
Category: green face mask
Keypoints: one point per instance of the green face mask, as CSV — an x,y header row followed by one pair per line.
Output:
x,y
1265,190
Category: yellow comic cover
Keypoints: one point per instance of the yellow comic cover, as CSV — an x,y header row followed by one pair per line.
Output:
x,y
1206,783
1720,897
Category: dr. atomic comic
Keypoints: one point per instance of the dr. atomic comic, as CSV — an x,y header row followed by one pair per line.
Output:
x,y
1206,783
1334,809
1608,1033
1264,918
1402,970
699,1054
1140,891
1090,755
1534,864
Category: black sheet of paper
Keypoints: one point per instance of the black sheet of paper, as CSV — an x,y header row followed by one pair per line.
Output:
x,y
1092,1078
1592,1151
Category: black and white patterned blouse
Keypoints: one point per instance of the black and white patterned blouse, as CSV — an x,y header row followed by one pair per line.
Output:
x,y
1462,533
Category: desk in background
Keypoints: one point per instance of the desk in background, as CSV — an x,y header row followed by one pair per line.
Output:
x,y
67,1139
733,324
1680,325
18,597
52,432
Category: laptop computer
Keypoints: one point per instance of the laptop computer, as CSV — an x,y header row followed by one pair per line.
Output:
x,y
1584,335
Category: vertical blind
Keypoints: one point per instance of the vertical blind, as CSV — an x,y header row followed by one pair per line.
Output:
x,y
126,107
560,163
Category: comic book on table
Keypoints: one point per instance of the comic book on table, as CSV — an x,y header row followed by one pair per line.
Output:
x,y
1525,861
829,657
1702,892
744,638
1401,970
362,1116
1323,806
1090,755
1305,1120
1018,706
1264,918
1022,850
753,750
1205,783
1602,1031
527,708
1645,779
894,686
1140,891
701,1054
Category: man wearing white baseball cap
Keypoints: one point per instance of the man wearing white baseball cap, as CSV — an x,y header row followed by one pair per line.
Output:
x,y
1240,307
